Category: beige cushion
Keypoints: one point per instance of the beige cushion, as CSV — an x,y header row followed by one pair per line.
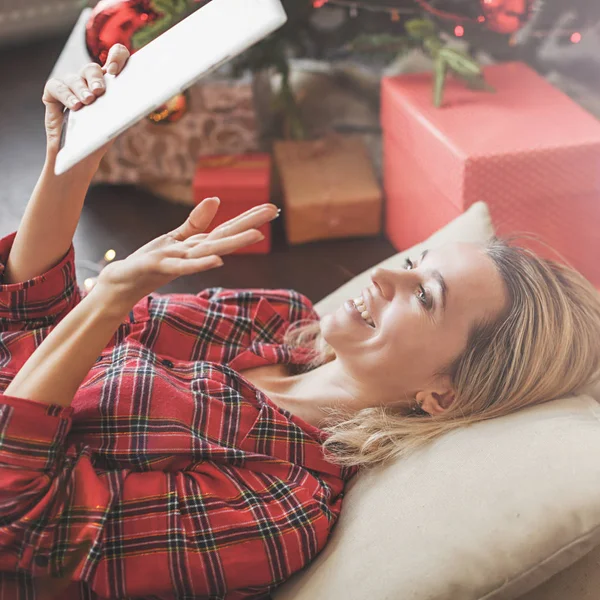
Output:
x,y
580,581
489,511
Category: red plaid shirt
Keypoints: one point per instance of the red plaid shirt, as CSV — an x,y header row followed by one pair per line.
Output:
x,y
170,475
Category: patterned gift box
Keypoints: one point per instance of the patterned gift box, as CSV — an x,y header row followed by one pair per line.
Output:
x,y
329,189
527,150
241,182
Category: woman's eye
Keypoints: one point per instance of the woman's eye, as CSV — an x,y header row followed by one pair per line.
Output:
x,y
423,297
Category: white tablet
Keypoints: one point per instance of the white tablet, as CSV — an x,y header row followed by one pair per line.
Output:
x,y
172,62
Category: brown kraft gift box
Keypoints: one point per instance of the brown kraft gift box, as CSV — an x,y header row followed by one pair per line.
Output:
x,y
329,189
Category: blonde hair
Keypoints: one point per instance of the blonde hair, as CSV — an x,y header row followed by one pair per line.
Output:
x,y
544,346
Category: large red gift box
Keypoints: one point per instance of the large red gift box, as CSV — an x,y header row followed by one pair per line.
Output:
x,y
527,150
241,182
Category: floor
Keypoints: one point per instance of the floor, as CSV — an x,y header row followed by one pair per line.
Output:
x,y
124,218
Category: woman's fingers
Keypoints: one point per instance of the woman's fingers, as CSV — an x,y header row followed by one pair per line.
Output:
x,y
93,76
205,255
225,245
203,214
79,87
178,267
57,90
200,218
116,59
252,218
177,259
75,90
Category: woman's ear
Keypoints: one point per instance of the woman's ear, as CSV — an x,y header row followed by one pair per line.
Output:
x,y
436,399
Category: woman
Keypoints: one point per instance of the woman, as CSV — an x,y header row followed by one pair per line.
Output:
x,y
173,446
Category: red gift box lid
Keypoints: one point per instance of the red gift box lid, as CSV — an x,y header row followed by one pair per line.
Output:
x,y
244,178
526,134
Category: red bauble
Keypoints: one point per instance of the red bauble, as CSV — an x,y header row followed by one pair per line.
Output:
x,y
172,110
116,21
505,16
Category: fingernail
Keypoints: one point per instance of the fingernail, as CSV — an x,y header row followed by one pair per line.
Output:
x,y
72,101
87,94
112,68
97,85
278,213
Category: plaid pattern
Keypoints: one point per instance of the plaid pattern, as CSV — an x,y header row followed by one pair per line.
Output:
x,y
170,475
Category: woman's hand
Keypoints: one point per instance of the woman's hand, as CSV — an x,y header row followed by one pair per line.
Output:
x,y
52,213
184,251
76,90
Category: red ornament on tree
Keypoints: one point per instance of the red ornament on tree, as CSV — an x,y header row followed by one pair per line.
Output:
x,y
135,23
116,22
506,16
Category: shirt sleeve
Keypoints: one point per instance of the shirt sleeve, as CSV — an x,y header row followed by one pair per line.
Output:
x,y
46,298
209,530
290,304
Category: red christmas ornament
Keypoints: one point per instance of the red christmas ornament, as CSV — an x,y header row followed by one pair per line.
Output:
x,y
116,21
172,110
505,16
122,21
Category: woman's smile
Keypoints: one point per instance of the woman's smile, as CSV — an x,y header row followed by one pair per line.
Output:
x,y
367,300
355,314
359,308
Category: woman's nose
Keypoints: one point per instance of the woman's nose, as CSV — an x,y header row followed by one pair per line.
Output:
x,y
382,279
391,281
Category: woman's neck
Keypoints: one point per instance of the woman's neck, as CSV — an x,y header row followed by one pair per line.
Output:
x,y
307,394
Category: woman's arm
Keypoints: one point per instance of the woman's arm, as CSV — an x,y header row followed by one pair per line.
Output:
x,y
48,225
57,368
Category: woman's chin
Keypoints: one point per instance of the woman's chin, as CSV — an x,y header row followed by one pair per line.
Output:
x,y
337,326
332,328
327,324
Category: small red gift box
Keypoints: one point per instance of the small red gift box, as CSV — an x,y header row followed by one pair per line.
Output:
x,y
241,182
527,150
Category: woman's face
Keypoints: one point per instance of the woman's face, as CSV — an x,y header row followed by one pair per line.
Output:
x,y
422,316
